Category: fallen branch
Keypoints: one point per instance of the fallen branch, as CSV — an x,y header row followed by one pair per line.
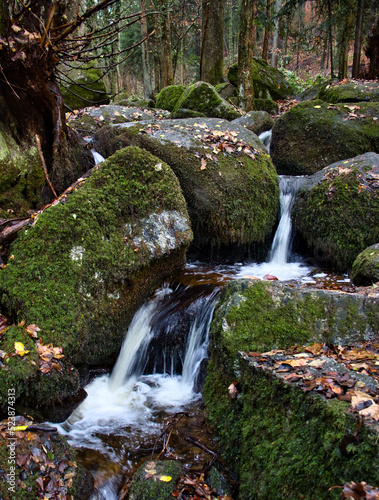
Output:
x,y
8,233
38,142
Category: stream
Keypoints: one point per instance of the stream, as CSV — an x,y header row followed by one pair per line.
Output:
x,y
115,429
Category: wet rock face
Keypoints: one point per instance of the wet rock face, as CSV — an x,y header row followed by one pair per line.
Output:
x,y
336,210
106,246
314,134
365,269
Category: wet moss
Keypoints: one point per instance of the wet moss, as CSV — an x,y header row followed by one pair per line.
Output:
x,y
344,211
78,274
147,484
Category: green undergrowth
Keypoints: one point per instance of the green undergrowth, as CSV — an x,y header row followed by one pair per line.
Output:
x,y
76,272
285,444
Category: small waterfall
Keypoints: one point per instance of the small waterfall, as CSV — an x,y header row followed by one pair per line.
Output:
x,y
281,245
130,361
265,137
97,157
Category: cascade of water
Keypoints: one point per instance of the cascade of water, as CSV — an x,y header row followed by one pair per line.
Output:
x,y
265,137
131,358
97,157
280,248
198,341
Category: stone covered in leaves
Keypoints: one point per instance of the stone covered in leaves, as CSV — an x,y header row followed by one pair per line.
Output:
x,y
268,82
288,418
85,264
37,463
336,211
314,134
202,97
365,269
350,91
227,178
155,479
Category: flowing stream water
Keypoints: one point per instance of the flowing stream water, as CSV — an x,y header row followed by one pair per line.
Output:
x,y
115,427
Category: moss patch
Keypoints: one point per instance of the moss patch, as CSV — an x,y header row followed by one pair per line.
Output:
x,y
156,479
365,269
343,204
353,91
169,96
83,269
312,135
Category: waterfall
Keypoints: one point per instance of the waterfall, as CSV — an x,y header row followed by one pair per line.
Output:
x,y
97,157
265,137
278,263
281,245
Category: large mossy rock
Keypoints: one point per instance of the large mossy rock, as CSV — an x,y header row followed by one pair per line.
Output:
x,y
283,441
84,87
169,96
202,97
365,270
268,82
232,196
155,480
337,210
85,265
314,134
353,91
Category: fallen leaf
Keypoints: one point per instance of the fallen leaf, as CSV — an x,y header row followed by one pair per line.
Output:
x,y
20,349
32,331
165,479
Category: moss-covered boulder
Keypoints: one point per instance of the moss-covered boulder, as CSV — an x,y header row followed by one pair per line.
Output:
x,y
353,91
276,427
336,210
155,480
267,105
226,90
169,96
202,97
226,175
36,463
84,266
314,134
365,270
84,86
256,121
268,82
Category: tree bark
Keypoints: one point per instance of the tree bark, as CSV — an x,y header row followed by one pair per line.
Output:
x,y
372,52
146,70
246,42
275,40
212,46
344,39
266,37
358,39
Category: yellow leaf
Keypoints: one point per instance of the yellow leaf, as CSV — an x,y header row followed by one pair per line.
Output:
x,y
19,428
317,106
20,349
166,479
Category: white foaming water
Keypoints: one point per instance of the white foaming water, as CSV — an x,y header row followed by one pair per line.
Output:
x,y
97,157
265,137
278,264
128,405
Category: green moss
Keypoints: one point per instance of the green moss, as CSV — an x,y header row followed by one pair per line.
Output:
x,y
202,97
232,201
78,274
281,442
88,89
365,270
169,96
349,92
146,486
345,215
267,105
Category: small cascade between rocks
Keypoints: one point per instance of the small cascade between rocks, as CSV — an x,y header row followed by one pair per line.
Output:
x,y
279,262
265,137
125,410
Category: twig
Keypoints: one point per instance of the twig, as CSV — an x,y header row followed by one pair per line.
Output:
x,y
38,142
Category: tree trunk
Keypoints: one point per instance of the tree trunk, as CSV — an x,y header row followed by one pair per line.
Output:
x,y
146,70
330,38
212,47
167,74
266,37
372,52
275,40
344,39
358,39
246,42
